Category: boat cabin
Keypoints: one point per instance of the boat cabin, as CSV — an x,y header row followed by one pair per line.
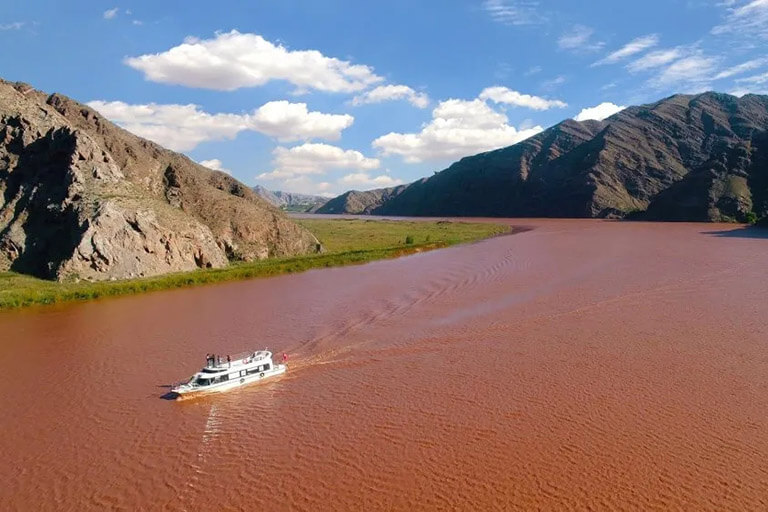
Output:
x,y
218,370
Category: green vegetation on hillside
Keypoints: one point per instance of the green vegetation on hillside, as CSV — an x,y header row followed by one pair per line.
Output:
x,y
346,242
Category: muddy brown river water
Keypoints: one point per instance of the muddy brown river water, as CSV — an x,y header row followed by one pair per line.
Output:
x,y
580,365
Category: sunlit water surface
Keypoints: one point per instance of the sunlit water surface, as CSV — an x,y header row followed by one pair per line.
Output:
x,y
582,364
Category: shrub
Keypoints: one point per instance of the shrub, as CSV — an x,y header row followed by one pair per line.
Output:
x,y
408,240
750,218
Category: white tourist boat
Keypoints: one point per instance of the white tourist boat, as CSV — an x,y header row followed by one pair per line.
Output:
x,y
223,373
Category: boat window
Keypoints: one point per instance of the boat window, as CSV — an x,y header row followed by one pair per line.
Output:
x,y
202,382
266,367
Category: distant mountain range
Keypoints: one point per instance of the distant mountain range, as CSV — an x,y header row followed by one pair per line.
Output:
x,y
290,201
685,158
357,203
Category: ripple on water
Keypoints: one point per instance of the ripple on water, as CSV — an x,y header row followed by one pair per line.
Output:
x,y
580,365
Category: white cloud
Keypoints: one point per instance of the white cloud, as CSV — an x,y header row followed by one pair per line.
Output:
x,y
364,180
177,127
579,38
749,19
111,13
288,121
313,158
692,73
509,97
458,128
741,68
16,25
599,112
183,127
391,93
232,60
655,59
633,47
214,164
756,79
513,12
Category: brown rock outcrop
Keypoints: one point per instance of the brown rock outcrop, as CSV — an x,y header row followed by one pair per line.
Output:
x,y
83,198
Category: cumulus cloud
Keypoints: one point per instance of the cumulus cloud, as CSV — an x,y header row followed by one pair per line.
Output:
x,y
288,121
579,38
232,60
214,164
633,47
749,19
314,158
513,12
183,127
507,96
111,13
364,180
599,112
391,93
458,128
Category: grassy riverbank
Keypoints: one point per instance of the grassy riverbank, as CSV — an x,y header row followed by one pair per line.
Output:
x,y
346,242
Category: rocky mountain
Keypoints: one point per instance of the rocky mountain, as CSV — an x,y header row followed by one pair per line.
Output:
x,y
695,158
83,198
267,195
356,202
289,201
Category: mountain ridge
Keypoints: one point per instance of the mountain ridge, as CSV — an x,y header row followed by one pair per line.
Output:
x,y
685,157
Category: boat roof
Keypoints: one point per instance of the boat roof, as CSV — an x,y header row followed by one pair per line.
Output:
x,y
237,361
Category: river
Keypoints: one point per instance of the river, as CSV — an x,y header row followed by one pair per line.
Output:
x,y
580,365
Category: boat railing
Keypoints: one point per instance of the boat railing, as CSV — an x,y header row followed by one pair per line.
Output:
x,y
242,358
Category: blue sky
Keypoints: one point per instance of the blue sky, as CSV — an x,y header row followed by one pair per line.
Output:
x,y
322,96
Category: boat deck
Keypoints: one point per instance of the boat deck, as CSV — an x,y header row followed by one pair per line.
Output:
x,y
219,362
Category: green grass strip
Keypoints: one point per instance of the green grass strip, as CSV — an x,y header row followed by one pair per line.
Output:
x,y
346,241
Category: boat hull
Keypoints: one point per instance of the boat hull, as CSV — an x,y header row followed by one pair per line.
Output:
x,y
184,392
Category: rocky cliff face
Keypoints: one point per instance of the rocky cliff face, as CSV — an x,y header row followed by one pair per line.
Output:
x,y
696,158
82,198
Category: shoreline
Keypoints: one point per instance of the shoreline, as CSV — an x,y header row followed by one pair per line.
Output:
x,y
31,291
